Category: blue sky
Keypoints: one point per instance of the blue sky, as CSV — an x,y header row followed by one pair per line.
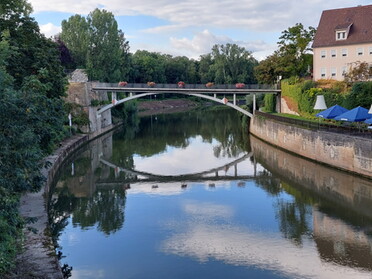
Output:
x,y
192,27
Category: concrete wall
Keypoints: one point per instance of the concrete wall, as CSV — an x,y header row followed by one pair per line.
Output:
x,y
345,152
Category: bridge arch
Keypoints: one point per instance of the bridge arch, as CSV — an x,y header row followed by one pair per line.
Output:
x,y
127,99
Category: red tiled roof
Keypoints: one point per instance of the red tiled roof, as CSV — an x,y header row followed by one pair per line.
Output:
x,y
360,31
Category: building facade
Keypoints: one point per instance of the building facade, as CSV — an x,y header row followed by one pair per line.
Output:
x,y
343,38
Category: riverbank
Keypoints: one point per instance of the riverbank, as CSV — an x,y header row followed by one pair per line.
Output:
x,y
38,258
345,152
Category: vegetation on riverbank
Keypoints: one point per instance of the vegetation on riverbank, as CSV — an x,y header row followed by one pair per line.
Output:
x,y
32,118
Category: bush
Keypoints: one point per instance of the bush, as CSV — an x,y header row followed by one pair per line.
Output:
x,y
360,95
270,103
10,229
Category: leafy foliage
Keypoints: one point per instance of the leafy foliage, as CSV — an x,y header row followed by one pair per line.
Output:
x,y
98,45
292,58
31,115
359,71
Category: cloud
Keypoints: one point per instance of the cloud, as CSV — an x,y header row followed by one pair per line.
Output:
x,y
203,42
49,29
264,15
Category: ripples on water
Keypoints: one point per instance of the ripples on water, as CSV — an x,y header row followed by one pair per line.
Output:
x,y
190,196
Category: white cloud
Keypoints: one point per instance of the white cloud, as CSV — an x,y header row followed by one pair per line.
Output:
x,y
264,15
49,30
203,42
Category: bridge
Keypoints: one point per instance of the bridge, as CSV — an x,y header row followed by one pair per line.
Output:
x,y
141,90
137,176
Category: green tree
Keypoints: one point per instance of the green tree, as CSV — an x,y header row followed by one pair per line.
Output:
x,y
148,66
205,70
227,64
75,36
294,45
293,58
32,52
233,64
107,47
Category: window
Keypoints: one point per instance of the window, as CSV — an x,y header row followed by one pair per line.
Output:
x,y
344,52
323,72
333,72
333,53
323,54
340,35
360,51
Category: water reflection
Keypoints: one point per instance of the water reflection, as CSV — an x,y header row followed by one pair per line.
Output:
x,y
341,212
209,234
177,198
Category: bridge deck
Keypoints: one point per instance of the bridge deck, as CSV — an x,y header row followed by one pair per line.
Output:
x,y
243,91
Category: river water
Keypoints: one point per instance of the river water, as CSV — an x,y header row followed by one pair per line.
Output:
x,y
193,195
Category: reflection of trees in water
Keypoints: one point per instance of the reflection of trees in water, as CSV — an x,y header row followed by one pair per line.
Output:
x,y
105,209
294,215
176,130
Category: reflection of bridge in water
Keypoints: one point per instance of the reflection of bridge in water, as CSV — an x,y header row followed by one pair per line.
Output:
x,y
208,175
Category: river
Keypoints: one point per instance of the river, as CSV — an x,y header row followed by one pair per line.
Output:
x,y
193,195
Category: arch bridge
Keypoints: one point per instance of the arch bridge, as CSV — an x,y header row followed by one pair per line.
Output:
x,y
204,93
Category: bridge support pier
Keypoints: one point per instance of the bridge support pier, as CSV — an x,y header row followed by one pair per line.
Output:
x,y
234,99
254,104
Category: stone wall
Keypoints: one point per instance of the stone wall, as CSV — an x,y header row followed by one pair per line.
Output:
x,y
345,152
81,94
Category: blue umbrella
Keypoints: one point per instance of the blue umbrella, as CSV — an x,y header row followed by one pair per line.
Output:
x,y
355,115
369,121
332,112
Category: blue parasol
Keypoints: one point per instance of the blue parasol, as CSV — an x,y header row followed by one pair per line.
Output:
x,y
355,115
332,112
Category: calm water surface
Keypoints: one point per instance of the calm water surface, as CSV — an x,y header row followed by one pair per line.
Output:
x,y
191,195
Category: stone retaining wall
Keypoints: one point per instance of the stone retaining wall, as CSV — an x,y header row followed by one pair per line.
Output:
x,y
346,152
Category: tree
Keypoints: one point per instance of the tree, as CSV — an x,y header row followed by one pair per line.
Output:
x,y
358,71
294,47
31,51
107,47
148,66
227,64
76,38
293,58
97,45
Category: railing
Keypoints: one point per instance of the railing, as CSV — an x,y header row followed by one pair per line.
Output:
x,y
354,131
187,86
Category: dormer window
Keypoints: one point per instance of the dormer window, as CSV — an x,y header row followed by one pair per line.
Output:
x,y
340,35
342,31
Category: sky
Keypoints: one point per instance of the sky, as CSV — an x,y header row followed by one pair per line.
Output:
x,y
191,27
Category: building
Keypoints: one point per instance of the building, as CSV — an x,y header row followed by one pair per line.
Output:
x,y
343,37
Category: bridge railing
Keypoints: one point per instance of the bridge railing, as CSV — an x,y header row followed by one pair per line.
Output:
x,y
187,86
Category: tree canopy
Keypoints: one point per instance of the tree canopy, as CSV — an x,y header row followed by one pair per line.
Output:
x,y
293,58
97,45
